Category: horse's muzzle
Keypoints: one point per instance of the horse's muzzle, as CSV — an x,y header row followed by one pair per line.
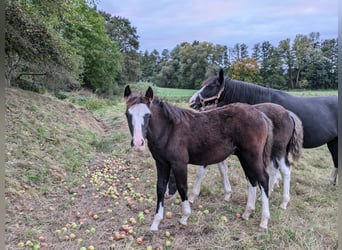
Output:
x,y
138,145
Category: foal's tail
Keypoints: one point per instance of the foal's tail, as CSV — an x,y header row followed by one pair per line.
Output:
x,y
295,145
269,143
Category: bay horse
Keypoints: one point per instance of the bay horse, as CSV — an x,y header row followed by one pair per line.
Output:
x,y
319,114
177,137
286,150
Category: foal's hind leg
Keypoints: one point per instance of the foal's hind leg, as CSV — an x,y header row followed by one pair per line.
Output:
x,y
333,148
226,184
251,199
201,171
286,173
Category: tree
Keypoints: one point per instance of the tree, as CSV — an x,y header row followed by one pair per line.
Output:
x,y
245,69
50,43
287,57
120,30
34,53
305,52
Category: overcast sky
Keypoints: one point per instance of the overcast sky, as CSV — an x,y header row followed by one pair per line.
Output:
x,y
162,24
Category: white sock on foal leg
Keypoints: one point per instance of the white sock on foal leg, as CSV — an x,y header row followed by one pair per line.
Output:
x,y
286,173
186,212
265,213
201,171
251,199
157,218
226,184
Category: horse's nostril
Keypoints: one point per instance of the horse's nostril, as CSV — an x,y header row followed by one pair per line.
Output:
x,y
142,143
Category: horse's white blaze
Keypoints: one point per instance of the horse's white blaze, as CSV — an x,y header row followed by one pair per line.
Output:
x,y
186,212
286,173
138,111
265,213
157,218
194,96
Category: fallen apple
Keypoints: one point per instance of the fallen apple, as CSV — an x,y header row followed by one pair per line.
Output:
x,y
167,234
21,244
169,215
140,240
224,219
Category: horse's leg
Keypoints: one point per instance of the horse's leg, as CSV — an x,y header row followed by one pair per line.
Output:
x,y
226,184
265,214
171,188
286,173
180,172
201,171
251,199
333,148
275,176
163,174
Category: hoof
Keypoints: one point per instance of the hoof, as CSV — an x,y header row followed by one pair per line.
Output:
x,y
153,228
283,206
183,222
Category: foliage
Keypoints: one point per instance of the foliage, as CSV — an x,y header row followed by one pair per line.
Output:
x,y
63,45
58,44
120,30
306,62
245,69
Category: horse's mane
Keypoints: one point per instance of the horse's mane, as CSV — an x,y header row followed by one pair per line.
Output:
x,y
246,91
173,113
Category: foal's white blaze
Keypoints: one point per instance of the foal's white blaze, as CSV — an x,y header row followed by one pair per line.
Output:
x,y
138,111
157,218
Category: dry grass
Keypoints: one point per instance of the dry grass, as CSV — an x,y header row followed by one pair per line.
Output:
x,y
46,196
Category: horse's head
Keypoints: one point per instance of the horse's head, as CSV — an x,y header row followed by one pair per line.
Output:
x,y
138,115
210,92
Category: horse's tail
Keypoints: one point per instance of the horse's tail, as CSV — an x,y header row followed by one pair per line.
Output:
x,y
269,142
295,145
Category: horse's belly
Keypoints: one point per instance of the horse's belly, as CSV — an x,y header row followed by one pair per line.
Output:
x,y
209,157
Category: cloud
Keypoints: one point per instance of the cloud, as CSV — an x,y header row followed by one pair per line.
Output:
x,y
166,23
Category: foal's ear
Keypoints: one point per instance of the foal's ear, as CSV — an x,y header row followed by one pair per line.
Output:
x,y
127,92
149,94
221,77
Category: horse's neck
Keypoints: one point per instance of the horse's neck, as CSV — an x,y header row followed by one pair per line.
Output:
x,y
245,92
158,126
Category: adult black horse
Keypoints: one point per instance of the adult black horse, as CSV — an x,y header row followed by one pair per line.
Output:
x,y
318,114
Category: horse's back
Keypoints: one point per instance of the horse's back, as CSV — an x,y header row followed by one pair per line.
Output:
x,y
319,116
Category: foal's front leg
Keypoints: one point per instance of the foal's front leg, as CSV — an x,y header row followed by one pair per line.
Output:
x,y
180,172
163,173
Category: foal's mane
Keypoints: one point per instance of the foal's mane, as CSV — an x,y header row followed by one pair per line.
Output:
x,y
173,113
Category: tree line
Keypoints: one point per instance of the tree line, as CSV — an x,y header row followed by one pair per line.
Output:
x,y
63,45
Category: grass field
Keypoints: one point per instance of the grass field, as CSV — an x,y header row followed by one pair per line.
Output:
x,y
72,181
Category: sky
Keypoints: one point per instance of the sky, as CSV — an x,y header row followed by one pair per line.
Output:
x,y
163,24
